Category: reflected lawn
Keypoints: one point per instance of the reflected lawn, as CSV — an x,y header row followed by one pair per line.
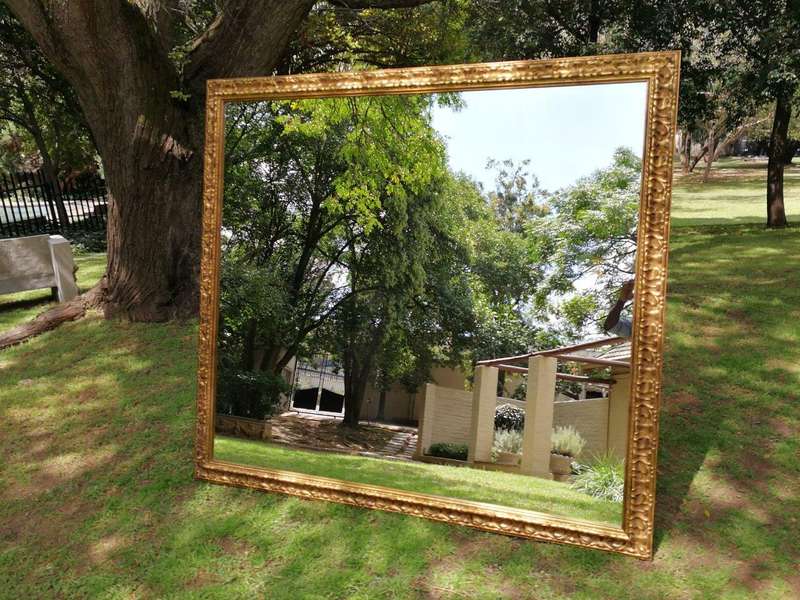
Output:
x,y
505,489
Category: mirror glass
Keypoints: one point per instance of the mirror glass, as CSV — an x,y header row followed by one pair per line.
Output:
x,y
432,293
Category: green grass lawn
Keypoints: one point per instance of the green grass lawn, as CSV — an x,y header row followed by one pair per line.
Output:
x,y
97,497
98,500
495,487
736,193
19,307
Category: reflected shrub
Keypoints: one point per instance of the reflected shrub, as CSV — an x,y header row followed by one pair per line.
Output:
x,y
454,451
509,417
251,394
507,440
603,478
567,441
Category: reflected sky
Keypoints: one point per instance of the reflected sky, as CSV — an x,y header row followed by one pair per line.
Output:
x,y
566,132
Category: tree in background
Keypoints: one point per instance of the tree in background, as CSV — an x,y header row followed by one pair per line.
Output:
x,y
758,135
765,35
39,114
139,70
736,55
322,219
589,237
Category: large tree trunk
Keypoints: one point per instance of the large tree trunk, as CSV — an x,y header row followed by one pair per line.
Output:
x,y
776,213
154,228
710,155
118,55
117,59
356,376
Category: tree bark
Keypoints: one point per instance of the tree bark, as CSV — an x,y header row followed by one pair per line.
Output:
x,y
154,227
381,405
356,376
116,55
150,143
776,212
594,21
710,155
50,319
686,151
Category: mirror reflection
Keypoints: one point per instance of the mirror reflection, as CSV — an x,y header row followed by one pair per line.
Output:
x,y
433,292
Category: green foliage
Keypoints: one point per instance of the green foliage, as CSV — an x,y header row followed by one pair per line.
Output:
x,y
603,478
567,441
246,393
591,230
329,213
88,240
41,123
445,450
433,33
509,417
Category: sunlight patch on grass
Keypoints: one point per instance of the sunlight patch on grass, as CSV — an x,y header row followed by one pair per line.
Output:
x,y
505,489
735,195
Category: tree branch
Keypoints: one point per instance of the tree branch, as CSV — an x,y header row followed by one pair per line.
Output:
x,y
248,37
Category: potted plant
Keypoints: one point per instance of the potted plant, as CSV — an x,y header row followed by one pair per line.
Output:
x,y
507,446
567,445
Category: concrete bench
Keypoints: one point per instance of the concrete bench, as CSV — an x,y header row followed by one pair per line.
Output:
x,y
36,262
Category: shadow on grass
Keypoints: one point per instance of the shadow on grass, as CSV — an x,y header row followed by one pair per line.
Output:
x,y
731,406
43,301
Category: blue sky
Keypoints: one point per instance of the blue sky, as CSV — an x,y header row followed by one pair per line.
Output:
x,y
566,132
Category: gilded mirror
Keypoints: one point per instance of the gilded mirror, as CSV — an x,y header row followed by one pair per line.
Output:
x,y
440,291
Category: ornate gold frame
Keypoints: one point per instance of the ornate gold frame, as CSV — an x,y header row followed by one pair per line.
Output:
x,y
661,71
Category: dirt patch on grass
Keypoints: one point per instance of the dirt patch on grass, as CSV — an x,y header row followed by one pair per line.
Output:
x,y
202,579
683,402
784,429
236,547
100,551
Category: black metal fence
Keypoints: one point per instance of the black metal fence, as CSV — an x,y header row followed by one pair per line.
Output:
x,y
30,204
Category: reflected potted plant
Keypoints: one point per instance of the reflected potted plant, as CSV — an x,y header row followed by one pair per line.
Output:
x,y
567,444
507,446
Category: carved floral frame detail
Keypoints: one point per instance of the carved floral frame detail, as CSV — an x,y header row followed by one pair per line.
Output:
x,y
661,72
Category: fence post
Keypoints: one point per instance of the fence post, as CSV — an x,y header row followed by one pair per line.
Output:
x,y
55,208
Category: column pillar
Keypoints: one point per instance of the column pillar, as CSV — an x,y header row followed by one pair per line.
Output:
x,y
619,402
484,404
425,428
536,441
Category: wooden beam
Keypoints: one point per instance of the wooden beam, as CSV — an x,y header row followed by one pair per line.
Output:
x,y
585,379
564,376
604,362
511,368
611,341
